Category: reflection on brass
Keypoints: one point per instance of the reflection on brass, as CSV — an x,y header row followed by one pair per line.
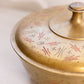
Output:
x,y
50,44
73,28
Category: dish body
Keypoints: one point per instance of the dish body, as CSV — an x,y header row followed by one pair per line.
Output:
x,y
39,51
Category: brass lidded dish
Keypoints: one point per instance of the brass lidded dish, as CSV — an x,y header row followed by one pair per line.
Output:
x,y
50,43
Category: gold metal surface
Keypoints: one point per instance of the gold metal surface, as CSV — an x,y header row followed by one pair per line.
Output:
x,y
39,74
72,28
38,43
49,58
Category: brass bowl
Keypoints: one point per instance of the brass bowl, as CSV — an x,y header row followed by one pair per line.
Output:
x,y
50,44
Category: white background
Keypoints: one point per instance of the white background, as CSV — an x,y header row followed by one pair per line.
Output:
x,y
11,11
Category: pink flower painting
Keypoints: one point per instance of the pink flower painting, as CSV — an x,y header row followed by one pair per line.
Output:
x,y
46,51
53,43
41,35
75,48
28,39
71,58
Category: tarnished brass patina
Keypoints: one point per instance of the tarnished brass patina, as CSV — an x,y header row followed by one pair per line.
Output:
x,y
50,44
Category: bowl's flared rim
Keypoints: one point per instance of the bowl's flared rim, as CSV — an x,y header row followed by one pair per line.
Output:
x,y
34,63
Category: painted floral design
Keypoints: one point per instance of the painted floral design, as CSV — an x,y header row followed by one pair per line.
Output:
x,y
72,58
36,34
53,43
60,52
46,51
41,35
75,48
59,48
28,39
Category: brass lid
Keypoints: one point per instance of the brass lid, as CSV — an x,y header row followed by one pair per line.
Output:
x,y
54,37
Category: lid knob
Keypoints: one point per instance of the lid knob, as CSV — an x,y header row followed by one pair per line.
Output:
x,y
73,27
77,8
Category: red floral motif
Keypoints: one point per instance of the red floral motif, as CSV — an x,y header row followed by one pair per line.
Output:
x,y
53,43
46,51
71,58
28,39
75,48
37,23
41,35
